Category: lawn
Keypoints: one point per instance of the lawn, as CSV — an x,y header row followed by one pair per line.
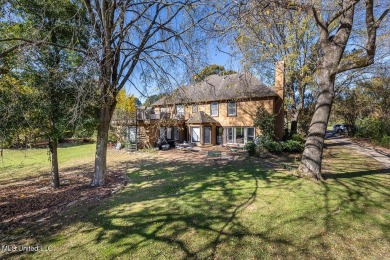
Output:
x,y
21,163
176,209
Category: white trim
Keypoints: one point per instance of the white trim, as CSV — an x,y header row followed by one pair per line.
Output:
x,y
211,108
235,108
169,133
176,133
198,134
234,133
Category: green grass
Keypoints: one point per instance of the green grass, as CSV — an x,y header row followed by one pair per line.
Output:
x,y
30,162
173,210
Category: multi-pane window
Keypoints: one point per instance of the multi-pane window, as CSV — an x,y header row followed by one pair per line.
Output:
x,y
232,108
195,134
176,133
162,132
239,135
250,134
165,109
132,134
194,108
207,135
180,110
169,133
214,109
230,135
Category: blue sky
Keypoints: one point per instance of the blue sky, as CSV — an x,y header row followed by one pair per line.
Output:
x,y
215,57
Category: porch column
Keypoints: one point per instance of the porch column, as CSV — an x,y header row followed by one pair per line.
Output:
x,y
201,134
224,135
213,134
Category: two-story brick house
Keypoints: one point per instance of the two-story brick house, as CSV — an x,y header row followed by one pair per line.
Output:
x,y
217,111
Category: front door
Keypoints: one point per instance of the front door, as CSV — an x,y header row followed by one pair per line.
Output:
x,y
219,133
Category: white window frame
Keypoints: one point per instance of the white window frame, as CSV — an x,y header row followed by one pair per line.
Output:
x,y
176,133
211,109
181,108
232,130
192,135
162,132
204,135
132,134
169,133
235,108
246,134
164,109
195,108
234,134
243,136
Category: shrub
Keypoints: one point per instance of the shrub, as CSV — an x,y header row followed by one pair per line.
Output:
x,y
265,122
373,128
272,146
275,147
293,146
299,138
267,143
251,148
384,141
377,129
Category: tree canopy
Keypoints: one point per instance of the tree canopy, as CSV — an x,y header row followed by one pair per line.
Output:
x,y
211,70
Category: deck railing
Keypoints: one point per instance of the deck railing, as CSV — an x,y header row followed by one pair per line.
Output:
x,y
143,115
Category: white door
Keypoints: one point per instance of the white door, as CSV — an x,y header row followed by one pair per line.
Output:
x,y
195,134
132,135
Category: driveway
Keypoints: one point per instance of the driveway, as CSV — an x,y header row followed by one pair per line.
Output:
x,y
377,154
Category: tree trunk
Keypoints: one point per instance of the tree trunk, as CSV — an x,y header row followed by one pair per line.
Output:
x,y
101,145
310,166
55,177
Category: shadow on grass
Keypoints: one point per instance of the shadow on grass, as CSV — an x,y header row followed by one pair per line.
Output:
x,y
185,206
355,174
174,209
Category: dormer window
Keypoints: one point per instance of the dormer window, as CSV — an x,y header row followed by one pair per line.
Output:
x,y
232,108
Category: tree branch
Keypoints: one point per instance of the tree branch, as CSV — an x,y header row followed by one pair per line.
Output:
x,y
341,12
370,48
28,42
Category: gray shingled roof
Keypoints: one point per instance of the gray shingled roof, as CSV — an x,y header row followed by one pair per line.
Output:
x,y
216,88
200,117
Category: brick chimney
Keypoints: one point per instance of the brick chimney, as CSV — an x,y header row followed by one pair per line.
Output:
x,y
279,78
279,101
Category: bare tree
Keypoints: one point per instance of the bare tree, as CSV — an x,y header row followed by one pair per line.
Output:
x,y
335,23
270,34
138,38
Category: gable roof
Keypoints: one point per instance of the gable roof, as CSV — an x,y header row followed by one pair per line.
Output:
x,y
218,88
200,117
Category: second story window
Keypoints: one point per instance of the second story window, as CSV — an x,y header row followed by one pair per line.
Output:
x,y
214,109
194,108
165,109
180,110
232,108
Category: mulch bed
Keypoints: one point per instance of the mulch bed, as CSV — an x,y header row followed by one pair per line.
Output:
x,y
30,200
